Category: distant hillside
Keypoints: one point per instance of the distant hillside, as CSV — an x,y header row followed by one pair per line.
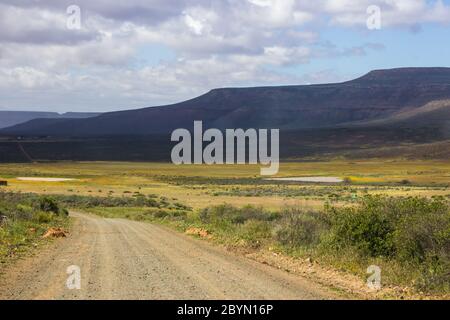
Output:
x,y
379,94
420,133
433,113
11,118
434,116
436,151
387,113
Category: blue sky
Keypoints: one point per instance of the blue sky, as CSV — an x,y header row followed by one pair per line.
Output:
x,y
146,53
401,48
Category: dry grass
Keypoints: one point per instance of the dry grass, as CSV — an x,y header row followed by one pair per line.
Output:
x,y
427,178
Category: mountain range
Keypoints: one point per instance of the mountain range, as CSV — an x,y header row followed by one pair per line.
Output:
x,y
382,109
379,94
11,118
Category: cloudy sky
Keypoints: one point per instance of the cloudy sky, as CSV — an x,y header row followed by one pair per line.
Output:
x,y
136,53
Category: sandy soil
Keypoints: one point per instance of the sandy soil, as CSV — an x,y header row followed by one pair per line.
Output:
x,y
122,259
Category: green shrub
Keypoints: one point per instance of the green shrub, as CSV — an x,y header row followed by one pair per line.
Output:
x,y
48,204
214,213
22,221
23,212
423,239
254,232
43,217
64,212
235,215
138,200
160,214
181,206
425,232
413,231
179,214
167,214
21,206
366,228
300,228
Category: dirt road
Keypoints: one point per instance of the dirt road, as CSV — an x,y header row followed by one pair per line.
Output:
x,y
122,259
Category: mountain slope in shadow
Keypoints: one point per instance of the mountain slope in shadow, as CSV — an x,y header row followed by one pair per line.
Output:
x,y
377,95
11,118
388,113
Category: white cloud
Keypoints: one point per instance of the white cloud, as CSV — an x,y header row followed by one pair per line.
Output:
x,y
394,12
221,43
195,25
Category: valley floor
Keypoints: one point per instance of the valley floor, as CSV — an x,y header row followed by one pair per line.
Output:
x,y
201,186
125,259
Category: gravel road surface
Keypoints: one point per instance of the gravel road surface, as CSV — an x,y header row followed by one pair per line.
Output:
x,y
123,259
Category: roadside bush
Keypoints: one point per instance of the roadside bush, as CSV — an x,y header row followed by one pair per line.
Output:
x,y
425,232
235,215
300,228
138,200
23,212
22,221
215,213
167,214
179,214
22,206
423,239
254,232
160,214
414,232
368,228
48,204
180,206
43,217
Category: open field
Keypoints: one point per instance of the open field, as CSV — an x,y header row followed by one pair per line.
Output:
x,y
309,221
201,186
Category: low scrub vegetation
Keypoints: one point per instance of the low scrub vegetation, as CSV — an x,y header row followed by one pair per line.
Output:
x,y
24,219
289,191
88,202
409,238
141,213
78,201
413,233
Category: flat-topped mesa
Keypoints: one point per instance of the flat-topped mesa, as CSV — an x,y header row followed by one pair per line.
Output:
x,y
377,95
405,76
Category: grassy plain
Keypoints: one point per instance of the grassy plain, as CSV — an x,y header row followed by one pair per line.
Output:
x,y
201,186
183,196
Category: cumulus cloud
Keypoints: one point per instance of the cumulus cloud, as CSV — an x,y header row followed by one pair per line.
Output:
x,y
214,43
394,12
